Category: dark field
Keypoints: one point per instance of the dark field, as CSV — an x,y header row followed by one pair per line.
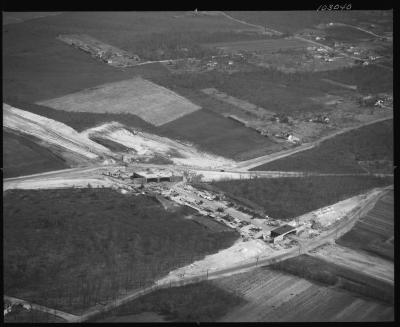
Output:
x,y
84,246
375,231
37,66
346,34
341,153
314,269
217,134
203,302
22,156
286,198
292,21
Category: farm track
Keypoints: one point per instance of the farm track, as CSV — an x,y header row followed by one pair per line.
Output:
x,y
58,313
360,29
263,28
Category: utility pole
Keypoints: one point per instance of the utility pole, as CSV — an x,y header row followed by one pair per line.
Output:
x,y
257,261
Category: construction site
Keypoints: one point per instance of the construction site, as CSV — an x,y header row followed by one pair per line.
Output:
x,y
245,172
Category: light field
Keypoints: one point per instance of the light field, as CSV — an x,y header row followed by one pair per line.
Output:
x,y
266,46
151,102
276,296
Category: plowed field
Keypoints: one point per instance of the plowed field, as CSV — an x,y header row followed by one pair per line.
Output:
x,y
276,296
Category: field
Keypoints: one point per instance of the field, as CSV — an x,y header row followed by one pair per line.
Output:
x,y
286,198
126,241
19,17
342,153
263,46
203,302
23,156
293,21
219,135
337,276
346,34
55,69
277,296
154,104
375,231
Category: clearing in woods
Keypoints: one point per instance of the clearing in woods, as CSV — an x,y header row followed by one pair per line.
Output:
x,y
151,102
375,231
278,296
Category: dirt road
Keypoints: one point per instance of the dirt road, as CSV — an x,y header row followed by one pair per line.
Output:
x,y
263,28
64,315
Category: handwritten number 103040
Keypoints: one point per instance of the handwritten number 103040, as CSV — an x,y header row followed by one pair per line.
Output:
x,y
334,7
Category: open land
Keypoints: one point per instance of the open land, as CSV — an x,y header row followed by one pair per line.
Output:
x,y
198,302
338,275
343,153
152,103
285,198
22,156
52,267
374,232
277,296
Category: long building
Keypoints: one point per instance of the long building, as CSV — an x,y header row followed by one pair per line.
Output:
x,y
155,176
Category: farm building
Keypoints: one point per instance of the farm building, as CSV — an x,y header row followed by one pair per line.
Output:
x,y
149,176
277,234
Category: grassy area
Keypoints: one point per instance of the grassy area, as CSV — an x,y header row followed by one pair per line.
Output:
x,y
314,269
292,21
22,156
203,302
369,79
215,133
341,153
79,247
286,198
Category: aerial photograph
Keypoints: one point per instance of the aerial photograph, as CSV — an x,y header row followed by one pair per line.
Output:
x,y
198,166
